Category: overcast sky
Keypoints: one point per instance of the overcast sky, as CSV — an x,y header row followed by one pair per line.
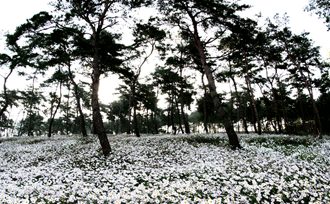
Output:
x,y
14,13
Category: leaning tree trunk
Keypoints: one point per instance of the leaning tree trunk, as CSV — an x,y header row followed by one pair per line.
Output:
x,y
233,139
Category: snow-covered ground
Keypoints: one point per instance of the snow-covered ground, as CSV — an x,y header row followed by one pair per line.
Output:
x,y
165,169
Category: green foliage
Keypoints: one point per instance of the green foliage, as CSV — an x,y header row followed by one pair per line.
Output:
x,y
205,139
281,141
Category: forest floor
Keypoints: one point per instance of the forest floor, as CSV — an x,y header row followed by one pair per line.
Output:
x,y
165,169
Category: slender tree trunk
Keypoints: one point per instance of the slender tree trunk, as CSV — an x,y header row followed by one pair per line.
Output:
x,y
251,92
52,115
185,120
282,95
30,133
77,96
237,97
136,123
155,115
277,116
310,91
67,110
204,106
245,116
302,111
179,115
129,115
148,127
172,112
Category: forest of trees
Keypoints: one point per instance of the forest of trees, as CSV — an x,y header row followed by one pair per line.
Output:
x,y
278,81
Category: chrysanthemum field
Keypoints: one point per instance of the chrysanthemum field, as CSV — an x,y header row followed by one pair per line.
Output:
x,y
165,169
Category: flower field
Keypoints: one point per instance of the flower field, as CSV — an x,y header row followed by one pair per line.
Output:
x,y
165,169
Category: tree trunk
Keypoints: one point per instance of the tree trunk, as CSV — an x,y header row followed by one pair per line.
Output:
x,y
185,120
204,106
97,117
148,127
282,95
310,91
3,109
233,139
237,97
277,116
136,125
251,92
77,96
178,114
172,112
129,115
67,110
155,115
52,115
30,133
302,111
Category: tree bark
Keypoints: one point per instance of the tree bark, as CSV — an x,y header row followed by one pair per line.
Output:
x,y
129,115
185,120
233,139
204,106
77,96
179,116
278,122
30,133
135,120
172,112
97,117
4,108
67,110
52,115
309,88
302,111
251,92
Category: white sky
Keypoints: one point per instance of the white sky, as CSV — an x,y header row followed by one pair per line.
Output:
x,y
14,13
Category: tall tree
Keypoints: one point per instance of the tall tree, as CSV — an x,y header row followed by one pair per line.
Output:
x,y
147,36
241,42
303,56
193,17
98,16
